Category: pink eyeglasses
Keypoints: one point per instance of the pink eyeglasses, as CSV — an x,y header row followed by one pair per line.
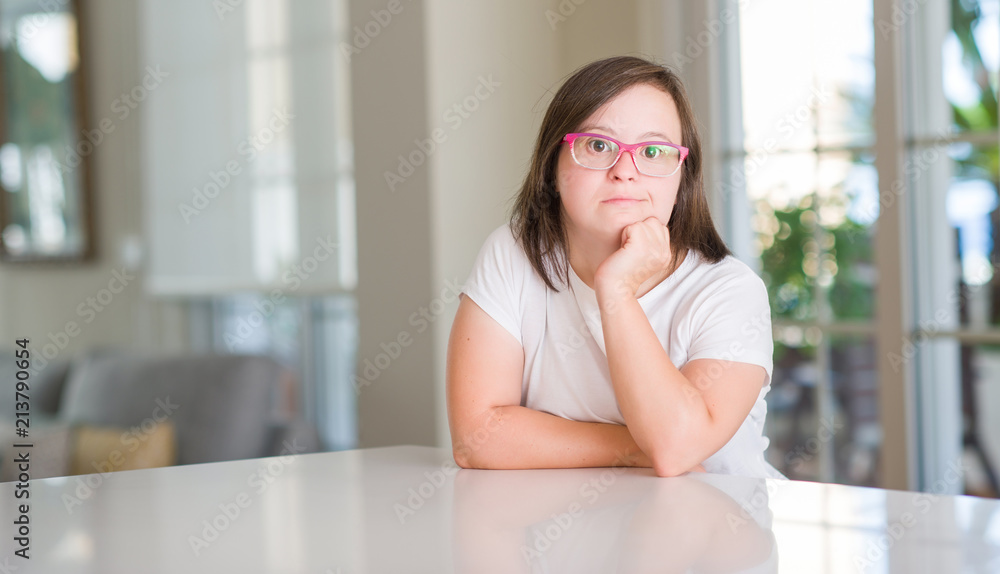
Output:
x,y
595,151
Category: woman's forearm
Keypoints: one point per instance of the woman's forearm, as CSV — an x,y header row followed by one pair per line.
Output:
x,y
515,437
664,410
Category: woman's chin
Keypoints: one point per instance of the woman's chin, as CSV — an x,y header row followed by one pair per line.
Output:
x,y
609,227
620,221
612,231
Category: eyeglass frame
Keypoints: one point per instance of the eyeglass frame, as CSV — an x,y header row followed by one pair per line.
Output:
x,y
622,148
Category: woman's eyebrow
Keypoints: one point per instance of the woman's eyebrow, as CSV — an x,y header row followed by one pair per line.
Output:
x,y
657,135
643,137
592,128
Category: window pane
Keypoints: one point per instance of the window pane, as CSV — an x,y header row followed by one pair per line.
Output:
x,y
981,417
854,378
813,194
848,208
790,258
970,58
815,221
782,189
819,93
971,205
316,337
791,407
772,95
823,405
845,72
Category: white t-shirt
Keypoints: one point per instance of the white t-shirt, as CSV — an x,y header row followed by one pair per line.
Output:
x,y
701,311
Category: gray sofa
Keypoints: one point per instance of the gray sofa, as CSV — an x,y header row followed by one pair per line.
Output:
x,y
223,407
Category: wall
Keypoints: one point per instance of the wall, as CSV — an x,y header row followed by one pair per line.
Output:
x,y
388,88
37,301
512,45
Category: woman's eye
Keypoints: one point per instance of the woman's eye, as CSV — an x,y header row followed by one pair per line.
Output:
x,y
599,146
651,152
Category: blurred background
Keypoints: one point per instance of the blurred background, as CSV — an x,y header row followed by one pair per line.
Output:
x,y
303,185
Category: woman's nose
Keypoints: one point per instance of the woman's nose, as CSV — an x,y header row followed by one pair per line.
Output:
x,y
625,168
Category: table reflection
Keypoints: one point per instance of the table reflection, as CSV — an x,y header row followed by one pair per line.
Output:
x,y
610,521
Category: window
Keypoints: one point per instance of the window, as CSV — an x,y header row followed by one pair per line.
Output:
x,y
249,192
951,167
315,337
805,165
813,171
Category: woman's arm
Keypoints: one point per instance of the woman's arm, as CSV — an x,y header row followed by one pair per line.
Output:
x,y
489,428
679,417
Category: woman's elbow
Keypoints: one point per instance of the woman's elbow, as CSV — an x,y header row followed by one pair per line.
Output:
x,y
677,452
668,463
469,454
666,469
473,445
475,458
463,458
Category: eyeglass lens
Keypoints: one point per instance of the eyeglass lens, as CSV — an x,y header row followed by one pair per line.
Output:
x,y
599,153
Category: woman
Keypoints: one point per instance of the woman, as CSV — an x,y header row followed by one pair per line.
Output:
x,y
608,324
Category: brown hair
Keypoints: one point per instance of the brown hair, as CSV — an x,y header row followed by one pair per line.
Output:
x,y
536,219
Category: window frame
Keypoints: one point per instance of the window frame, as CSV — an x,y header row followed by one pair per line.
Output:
x,y
920,417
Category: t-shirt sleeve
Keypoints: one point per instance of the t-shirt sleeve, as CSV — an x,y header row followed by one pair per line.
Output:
x,y
494,283
733,322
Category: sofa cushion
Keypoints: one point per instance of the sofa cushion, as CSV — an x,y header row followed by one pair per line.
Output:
x,y
45,385
108,449
52,444
219,404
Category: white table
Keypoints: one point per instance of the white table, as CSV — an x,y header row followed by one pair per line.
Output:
x,y
409,509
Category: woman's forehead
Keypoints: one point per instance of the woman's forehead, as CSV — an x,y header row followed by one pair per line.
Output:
x,y
637,114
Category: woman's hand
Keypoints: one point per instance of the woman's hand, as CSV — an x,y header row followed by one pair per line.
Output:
x,y
644,253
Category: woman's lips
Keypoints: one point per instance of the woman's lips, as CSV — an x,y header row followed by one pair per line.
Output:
x,y
621,201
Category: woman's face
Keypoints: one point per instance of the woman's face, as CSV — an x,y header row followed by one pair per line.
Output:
x,y
600,203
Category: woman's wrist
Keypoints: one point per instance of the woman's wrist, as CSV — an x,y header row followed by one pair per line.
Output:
x,y
611,296
616,287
